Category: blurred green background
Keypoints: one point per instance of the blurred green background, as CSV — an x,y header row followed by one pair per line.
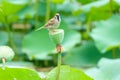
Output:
x,y
92,31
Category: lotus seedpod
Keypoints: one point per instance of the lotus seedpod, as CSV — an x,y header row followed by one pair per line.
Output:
x,y
6,52
57,36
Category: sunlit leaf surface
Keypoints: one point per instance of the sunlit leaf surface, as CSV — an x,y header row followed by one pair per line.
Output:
x,y
68,73
18,74
106,35
108,69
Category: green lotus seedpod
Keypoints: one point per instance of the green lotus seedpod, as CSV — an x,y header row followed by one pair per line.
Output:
x,y
57,36
6,52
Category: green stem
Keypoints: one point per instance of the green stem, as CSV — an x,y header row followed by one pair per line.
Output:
x,y
47,10
88,24
114,53
54,59
3,62
46,62
36,9
111,9
58,66
11,43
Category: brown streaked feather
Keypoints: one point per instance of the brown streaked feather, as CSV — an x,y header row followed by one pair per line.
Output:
x,y
50,22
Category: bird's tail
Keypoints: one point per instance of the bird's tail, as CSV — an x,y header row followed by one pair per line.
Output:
x,y
39,28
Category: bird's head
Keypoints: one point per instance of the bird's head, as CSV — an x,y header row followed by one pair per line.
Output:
x,y
57,16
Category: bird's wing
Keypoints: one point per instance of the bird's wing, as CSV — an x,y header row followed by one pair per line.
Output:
x,y
50,22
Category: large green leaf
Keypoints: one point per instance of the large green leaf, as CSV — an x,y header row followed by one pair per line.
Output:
x,y
86,1
18,74
38,44
11,6
106,34
99,10
42,9
27,12
108,69
57,1
85,55
96,4
71,39
68,73
73,6
103,11
8,9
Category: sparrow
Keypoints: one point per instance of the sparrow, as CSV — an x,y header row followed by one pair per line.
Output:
x,y
52,24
